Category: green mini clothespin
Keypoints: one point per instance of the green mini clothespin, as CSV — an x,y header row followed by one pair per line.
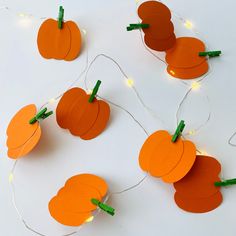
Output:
x,y
95,91
210,54
178,131
104,207
41,115
225,183
137,26
60,17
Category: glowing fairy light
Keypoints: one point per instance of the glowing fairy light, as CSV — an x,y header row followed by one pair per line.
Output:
x,y
25,20
52,100
130,82
172,72
195,85
22,15
10,178
192,132
188,24
90,219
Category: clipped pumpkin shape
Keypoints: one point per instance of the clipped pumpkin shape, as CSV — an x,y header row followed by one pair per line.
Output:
x,y
23,136
61,43
197,192
184,61
159,35
163,158
83,116
75,203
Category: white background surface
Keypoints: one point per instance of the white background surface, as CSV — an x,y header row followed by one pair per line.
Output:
x,y
25,77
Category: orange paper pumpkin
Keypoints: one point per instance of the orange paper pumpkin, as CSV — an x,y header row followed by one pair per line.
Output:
x,y
196,192
183,59
168,160
72,206
60,44
159,35
22,136
82,118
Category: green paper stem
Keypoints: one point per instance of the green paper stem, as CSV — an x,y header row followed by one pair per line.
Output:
x,y
178,131
95,91
41,115
210,54
137,26
225,183
60,17
104,207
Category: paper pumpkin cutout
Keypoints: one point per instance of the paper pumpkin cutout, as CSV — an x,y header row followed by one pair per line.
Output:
x,y
22,136
159,35
61,44
72,205
82,118
184,61
168,160
196,192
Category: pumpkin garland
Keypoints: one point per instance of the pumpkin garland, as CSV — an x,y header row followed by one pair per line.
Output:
x,y
59,40
195,178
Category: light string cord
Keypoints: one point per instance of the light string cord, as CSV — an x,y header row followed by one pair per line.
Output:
x,y
230,140
201,79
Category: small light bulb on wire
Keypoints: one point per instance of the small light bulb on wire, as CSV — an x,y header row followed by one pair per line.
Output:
x,y
90,219
195,85
22,14
130,82
10,178
192,132
188,24
172,72
25,20
52,100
